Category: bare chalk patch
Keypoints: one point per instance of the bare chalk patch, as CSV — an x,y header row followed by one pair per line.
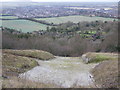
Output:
x,y
62,71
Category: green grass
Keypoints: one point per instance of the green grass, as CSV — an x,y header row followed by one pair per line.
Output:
x,y
24,25
93,32
90,32
82,34
99,57
75,19
8,17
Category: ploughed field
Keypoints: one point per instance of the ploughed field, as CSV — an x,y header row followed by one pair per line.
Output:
x,y
75,19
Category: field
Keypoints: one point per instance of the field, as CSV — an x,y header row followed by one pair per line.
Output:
x,y
8,17
24,25
29,26
75,19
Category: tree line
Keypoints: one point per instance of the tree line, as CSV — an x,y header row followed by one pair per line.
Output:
x,y
65,46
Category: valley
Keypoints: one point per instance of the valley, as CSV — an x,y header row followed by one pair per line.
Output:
x,y
59,44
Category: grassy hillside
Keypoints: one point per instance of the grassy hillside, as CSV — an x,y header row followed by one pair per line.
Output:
x,y
8,17
15,62
106,74
38,54
13,65
92,57
75,19
24,25
19,61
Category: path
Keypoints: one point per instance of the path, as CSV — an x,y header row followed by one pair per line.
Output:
x,y
62,71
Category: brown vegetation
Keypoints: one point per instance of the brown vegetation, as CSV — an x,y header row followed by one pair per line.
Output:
x,y
19,61
38,54
15,62
15,82
13,65
106,74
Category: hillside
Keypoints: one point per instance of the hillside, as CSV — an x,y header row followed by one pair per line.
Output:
x,y
59,44
106,72
57,71
15,62
74,18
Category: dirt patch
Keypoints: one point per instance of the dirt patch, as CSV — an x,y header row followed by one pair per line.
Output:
x,y
62,71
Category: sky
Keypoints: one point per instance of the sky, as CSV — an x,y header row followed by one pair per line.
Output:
x,y
59,0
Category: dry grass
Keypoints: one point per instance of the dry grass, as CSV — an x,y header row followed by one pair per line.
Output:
x,y
39,54
15,62
13,65
106,74
15,82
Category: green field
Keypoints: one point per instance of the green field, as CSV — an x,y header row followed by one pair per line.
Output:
x,y
29,26
8,17
24,25
75,19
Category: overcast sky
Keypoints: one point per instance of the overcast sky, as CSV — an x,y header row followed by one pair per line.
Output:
x,y
59,0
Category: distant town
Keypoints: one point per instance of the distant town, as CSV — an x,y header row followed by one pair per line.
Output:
x,y
42,11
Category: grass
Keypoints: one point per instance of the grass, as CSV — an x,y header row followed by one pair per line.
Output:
x,y
13,65
75,19
90,32
19,61
38,54
99,57
15,82
23,25
8,17
106,74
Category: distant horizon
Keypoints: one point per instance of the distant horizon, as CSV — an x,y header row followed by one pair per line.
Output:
x,y
59,1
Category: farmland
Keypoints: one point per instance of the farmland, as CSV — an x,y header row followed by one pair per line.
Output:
x,y
8,17
29,26
23,25
75,19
